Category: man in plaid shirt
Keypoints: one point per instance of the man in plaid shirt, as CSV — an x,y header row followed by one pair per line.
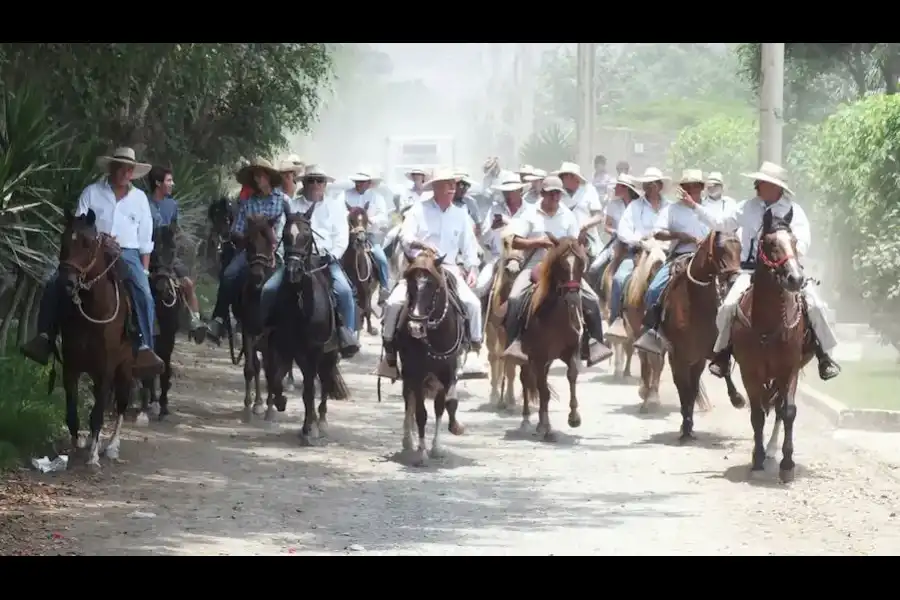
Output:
x,y
262,177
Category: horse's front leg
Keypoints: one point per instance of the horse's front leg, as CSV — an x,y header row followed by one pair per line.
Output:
x,y
249,371
123,390
148,390
529,385
509,375
786,468
572,376
544,406
259,403
310,429
421,422
273,369
440,403
409,415
102,391
165,384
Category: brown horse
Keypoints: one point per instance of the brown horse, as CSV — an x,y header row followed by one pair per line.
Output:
x,y
689,306
553,330
623,348
771,340
94,334
648,260
503,372
429,346
259,244
360,266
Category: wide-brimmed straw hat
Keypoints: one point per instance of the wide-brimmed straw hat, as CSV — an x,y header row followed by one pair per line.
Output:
x,y
365,174
570,168
552,183
441,175
463,177
415,171
652,174
714,178
525,170
509,182
771,173
536,175
289,166
628,181
317,171
691,176
125,156
245,175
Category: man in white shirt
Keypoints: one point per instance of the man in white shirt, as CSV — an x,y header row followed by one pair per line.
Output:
x,y
363,196
416,191
499,215
602,179
636,225
534,180
528,232
772,194
444,228
625,192
582,199
123,213
715,199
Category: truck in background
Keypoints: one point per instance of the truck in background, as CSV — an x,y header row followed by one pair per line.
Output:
x,y
403,153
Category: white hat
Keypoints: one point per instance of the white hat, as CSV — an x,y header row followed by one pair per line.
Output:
x,y
294,158
289,166
652,174
463,177
509,182
771,173
570,168
536,175
715,178
525,170
552,183
628,181
245,175
490,164
441,175
365,174
416,171
317,171
691,176
125,156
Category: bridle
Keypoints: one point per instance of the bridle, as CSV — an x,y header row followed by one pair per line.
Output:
x,y
430,324
82,284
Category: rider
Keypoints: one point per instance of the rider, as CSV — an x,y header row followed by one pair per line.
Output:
x,y
625,192
529,233
331,232
440,226
636,225
261,177
123,214
534,179
772,193
497,218
623,168
416,191
602,180
715,200
363,196
164,209
491,169
582,199
462,199
680,224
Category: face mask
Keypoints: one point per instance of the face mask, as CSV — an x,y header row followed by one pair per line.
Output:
x,y
715,194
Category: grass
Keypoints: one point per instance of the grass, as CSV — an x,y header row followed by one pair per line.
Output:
x,y
861,384
206,287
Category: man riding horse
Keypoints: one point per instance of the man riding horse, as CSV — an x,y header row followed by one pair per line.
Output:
x,y
439,226
123,217
497,218
715,199
533,232
534,179
362,195
582,199
624,192
772,195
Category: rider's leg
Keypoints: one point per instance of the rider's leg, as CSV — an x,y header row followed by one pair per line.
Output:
x,y
595,271
485,276
392,309
593,321
389,239
825,338
190,296
382,263
40,346
269,294
346,306
146,362
721,362
650,340
228,285
515,318
626,268
472,305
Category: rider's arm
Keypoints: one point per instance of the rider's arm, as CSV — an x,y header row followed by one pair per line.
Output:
x,y
801,230
239,227
84,202
340,232
609,225
410,228
594,220
468,247
728,221
145,231
378,215
626,231
518,230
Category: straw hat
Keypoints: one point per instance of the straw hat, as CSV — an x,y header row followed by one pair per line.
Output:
x,y
317,171
691,176
509,182
365,174
245,175
463,177
771,173
525,170
416,171
536,175
652,174
125,156
714,178
628,181
552,183
441,175
570,168
490,164
289,166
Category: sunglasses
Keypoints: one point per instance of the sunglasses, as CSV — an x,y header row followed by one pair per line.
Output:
x,y
314,180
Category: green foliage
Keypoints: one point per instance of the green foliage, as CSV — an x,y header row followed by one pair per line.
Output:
x,y
550,147
720,143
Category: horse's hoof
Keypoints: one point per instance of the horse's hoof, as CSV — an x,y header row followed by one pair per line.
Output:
x,y
541,429
155,409
574,420
373,331
644,408
738,401
525,426
94,467
259,409
551,437
270,413
323,428
456,428
163,412
786,475
687,437
437,453
142,420
407,443
305,440
643,392
421,458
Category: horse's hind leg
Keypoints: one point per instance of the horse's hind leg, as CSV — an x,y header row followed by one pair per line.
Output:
x,y
259,404
148,393
249,356
165,384
122,390
273,369
70,385
440,403
101,394
572,376
786,468
734,396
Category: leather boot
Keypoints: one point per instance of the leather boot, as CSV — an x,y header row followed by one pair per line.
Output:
x,y
593,321
388,365
828,367
650,340
720,365
513,325
147,364
348,342
39,348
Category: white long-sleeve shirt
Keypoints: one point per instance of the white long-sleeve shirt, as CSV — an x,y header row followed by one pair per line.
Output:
x,y
450,231
492,237
748,217
329,221
584,203
374,204
638,221
534,223
128,220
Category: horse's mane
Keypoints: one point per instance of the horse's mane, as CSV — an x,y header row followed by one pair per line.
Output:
x,y
260,224
506,253
424,261
545,281
653,255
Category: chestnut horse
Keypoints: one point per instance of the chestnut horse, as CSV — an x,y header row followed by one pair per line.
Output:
x,y
95,338
623,348
503,372
689,304
553,331
771,341
360,266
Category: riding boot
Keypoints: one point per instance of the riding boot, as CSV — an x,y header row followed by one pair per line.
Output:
x,y
828,367
720,365
39,348
348,342
651,340
388,365
593,321
513,325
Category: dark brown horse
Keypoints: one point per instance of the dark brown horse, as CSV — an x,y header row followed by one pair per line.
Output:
x,y
689,305
217,249
553,331
93,327
360,266
771,340
429,345
259,244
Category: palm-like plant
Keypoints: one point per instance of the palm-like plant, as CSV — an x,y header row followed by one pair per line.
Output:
x,y
548,148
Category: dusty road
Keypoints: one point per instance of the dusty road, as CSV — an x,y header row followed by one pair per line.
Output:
x,y
205,483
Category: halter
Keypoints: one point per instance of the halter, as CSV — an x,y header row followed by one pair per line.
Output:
x,y
82,285
772,264
432,324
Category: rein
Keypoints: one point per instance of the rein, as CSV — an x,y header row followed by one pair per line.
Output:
x,y
82,285
432,324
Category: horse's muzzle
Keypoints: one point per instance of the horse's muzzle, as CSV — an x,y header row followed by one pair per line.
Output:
x,y
417,330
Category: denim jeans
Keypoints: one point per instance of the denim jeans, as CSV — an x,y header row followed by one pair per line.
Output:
x,y
343,294
626,268
382,262
229,284
600,262
655,290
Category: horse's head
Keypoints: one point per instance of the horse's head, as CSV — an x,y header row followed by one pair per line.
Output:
x,y
720,256
163,262
260,246
298,246
560,274
220,217
778,251
358,220
424,286
81,257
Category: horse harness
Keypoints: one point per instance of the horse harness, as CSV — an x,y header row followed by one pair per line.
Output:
x,y
82,285
451,298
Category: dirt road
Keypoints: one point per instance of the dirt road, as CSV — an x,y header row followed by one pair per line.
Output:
x,y
205,483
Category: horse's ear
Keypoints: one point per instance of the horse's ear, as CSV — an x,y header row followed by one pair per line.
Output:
x,y
308,214
789,216
90,218
347,204
439,261
69,218
366,207
767,220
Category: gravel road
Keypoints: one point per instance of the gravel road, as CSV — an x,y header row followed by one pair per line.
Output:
x,y
205,483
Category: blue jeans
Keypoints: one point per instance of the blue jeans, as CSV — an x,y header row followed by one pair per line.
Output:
x,y
381,261
229,284
660,280
343,294
626,268
600,263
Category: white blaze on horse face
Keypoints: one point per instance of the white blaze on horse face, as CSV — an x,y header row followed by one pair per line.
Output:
x,y
294,232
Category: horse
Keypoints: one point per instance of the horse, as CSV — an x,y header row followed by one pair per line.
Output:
x,y
503,372
260,245
217,249
772,342
623,348
303,330
553,331
360,266
648,260
429,344
689,306
95,334
166,288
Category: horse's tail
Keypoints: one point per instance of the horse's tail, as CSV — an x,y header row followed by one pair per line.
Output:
x,y
333,384
528,379
651,257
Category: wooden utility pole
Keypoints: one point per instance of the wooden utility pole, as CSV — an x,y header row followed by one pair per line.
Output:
x,y
771,103
584,124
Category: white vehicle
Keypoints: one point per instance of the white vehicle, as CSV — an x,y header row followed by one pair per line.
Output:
x,y
403,153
